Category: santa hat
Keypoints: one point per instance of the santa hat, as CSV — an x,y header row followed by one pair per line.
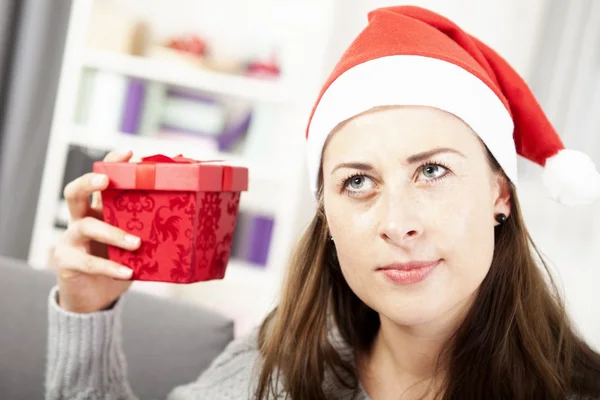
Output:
x,y
411,56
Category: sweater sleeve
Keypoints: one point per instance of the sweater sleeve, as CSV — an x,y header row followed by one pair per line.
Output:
x,y
85,359
232,375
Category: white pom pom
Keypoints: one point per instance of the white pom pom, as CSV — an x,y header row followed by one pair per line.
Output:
x,y
571,178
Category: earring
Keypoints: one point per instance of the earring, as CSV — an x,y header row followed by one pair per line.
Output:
x,y
501,218
334,257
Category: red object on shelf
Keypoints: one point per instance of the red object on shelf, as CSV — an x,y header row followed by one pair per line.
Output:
x,y
258,69
264,68
191,44
184,211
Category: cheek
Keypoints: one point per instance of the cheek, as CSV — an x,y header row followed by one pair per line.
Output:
x,y
353,235
348,224
464,232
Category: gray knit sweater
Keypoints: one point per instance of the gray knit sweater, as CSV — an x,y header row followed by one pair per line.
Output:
x,y
86,361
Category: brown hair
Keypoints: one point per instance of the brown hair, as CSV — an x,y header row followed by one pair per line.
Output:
x,y
516,341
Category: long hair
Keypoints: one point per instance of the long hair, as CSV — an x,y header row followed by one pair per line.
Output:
x,y
516,341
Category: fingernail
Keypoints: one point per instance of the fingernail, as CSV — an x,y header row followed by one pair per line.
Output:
x,y
125,272
132,240
99,180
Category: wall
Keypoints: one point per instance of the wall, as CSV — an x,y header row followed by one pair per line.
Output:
x,y
509,26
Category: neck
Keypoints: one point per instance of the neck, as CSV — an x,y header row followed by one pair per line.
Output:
x,y
410,350
404,358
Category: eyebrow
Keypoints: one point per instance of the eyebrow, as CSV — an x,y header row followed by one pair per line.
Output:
x,y
415,158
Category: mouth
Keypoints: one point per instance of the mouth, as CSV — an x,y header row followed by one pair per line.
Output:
x,y
409,272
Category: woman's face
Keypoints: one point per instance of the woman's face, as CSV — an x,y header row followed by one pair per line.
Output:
x,y
408,187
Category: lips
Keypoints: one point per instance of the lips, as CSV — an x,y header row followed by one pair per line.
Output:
x,y
409,272
409,265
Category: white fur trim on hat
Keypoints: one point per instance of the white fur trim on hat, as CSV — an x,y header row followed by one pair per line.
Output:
x,y
419,81
570,177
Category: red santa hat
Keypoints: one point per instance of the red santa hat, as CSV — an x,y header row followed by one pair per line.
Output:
x,y
411,56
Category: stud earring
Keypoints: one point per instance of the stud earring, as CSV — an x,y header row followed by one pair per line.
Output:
x,y
501,218
331,238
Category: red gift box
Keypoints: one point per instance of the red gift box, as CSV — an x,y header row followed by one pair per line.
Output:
x,y
184,211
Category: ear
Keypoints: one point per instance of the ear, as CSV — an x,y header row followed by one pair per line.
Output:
x,y
502,194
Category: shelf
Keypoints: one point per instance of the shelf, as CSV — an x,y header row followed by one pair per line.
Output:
x,y
256,276
41,256
179,74
247,291
258,171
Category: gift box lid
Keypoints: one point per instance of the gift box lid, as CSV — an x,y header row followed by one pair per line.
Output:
x,y
160,172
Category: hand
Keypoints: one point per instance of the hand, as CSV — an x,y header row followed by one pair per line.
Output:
x,y
87,280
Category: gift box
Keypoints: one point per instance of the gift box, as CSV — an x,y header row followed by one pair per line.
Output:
x,y
184,211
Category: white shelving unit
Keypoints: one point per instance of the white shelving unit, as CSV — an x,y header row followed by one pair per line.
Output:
x,y
258,170
277,186
191,77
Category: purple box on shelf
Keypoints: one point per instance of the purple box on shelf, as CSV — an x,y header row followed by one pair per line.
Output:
x,y
132,110
191,95
252,238
262,227
233,132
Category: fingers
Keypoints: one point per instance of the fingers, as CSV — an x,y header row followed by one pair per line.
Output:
x,y
113,156
118,156
73,258
89,228
96,204
71,253
77,193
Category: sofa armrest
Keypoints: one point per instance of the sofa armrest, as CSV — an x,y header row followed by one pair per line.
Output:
x,y
167,342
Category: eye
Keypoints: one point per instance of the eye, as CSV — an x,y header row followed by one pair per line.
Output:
x,y
357,184
433,171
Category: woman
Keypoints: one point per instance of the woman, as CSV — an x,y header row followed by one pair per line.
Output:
x,y
416,278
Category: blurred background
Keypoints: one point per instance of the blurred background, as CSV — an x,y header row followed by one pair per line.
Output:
x,y
235,80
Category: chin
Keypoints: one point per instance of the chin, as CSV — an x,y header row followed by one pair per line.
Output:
x,y
412,316
438,312
413,310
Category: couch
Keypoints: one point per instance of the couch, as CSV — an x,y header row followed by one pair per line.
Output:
x,y
166,342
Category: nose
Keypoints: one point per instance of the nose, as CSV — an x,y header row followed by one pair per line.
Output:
x,y
399,224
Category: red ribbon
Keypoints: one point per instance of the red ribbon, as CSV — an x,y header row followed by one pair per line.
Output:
x,y
145,176
145,171
227,184
161,158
